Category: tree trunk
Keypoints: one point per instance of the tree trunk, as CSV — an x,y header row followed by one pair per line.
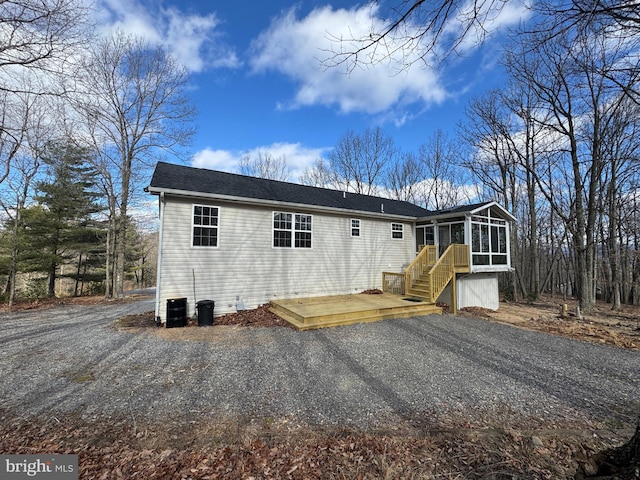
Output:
x,y
77,282
121,236
13,272
53,267
111,231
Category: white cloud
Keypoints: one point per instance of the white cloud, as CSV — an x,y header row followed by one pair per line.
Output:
x,y
296,47
490,19
381,81
215,160
297,156
193,39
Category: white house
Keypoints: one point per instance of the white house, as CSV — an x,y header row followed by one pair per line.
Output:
x,y
243,241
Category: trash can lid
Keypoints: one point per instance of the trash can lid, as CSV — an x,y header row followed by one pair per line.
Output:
x,y
205,302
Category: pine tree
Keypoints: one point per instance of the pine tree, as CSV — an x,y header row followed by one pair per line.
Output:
x,y
71,202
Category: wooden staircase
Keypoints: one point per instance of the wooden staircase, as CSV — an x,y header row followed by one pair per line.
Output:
x,y
427,276
421,289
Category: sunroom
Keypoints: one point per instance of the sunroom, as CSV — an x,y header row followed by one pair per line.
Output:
x,y
483,227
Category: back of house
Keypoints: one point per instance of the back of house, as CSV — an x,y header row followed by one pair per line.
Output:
x,y
243,241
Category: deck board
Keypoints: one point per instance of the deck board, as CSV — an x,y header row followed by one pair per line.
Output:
x,y
320,312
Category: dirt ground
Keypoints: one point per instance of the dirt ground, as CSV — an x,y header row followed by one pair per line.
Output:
x,y
602,325
459,445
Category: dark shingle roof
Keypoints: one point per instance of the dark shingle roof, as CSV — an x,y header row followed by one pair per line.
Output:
x,y
463,210
459,210
169,176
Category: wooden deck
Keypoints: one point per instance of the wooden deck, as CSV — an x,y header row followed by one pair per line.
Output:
x,y
320,312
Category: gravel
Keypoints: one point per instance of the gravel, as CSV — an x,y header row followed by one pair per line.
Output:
x,y
69,360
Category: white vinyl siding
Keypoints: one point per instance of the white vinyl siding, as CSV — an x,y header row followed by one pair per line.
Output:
x,y
474,290
246,265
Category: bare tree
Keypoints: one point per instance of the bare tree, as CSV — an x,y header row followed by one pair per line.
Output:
x,y
317,175
136,111
39,37
416,31
405,177
439,158
12,129
488,130
620,144
358,162
576,105
36,129
265,165
420,31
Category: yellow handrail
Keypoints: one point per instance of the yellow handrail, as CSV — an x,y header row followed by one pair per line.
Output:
x,y
454,259
420,265
439,271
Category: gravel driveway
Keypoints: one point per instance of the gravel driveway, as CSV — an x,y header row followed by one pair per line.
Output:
x,y
69,360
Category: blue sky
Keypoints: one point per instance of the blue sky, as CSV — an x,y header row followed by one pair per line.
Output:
x,y
259,85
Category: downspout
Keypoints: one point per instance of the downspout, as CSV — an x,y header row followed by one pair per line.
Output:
x,y
159,265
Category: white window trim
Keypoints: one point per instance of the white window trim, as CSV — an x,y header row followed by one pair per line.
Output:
x,y
396,231
352,228
216,227
293,230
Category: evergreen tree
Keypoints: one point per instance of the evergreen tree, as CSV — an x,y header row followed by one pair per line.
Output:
x,y
71,201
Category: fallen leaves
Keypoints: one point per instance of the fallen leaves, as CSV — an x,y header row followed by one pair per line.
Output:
x,y
445,447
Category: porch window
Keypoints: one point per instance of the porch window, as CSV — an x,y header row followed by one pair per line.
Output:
x,y
449,233
489,241
205,226
397,230
355,227
291,230
424,236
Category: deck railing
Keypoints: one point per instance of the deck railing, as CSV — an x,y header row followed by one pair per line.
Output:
x,y
461,259
393,283
420,266
439,271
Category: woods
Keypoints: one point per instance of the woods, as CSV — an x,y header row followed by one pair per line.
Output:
x,y
83,119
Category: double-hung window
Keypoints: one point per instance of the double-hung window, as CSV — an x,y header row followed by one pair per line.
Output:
x,y
292,230
302,231
397,230
205,226
355,227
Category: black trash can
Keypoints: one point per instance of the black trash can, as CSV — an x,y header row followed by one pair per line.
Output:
x,y
205,312
176,312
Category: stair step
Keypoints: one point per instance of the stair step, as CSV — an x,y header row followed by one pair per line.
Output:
x,y
419,294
